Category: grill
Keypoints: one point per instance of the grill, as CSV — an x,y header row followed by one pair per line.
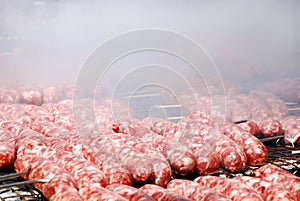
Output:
x,y
18,193
286,157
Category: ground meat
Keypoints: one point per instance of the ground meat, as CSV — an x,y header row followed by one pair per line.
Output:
x,y
270,127
251,127
279,176
97,193
257,153
51,95
194,190
230,154
291,128
32,96
268,190
233,189
9,95
129,192
161,194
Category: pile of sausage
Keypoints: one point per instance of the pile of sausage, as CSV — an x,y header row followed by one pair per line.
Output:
x,y
266,113
286,88
34,94
132,159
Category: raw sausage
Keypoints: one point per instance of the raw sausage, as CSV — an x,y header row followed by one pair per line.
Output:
x,y
97,193
194,190
270,127
159,193
230,154
257,153
129,192
235,190
281,177
268,190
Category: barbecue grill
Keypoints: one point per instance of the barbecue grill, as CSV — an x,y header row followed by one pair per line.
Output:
x,y
46,47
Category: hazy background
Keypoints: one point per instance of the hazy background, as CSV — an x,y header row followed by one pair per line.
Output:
x,y
250,41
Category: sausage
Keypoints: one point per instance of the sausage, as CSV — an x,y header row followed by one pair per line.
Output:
x,y
95,192
268,190
41,168
164,128
32,96
64,192
81,170
129,192
13,127
7,153
9,95
230,154
179,155
159,193
279,176
277,107
161,169
270,127
202,149
236,110
251,127
51,95
194,190
7,135
136,162
112,168
291,127
132,127
256,152
255,106
233,189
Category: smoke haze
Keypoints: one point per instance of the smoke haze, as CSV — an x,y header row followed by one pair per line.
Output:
x,y
48,41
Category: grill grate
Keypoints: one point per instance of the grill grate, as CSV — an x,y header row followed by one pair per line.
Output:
x,y
18,193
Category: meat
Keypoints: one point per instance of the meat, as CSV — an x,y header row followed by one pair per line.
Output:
x,y
161,194
81,170
230,154
291,127
206,159
232,188
42,168
180,158
32,96
256,152
136,162
270,127
97,193
132,127
162,171
268,190
164,128
255,106
236,110
196,131
194,190
279,176
251,127
7,153
129,192
7,135
64,192
179,155
277,107
51,95
9,95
